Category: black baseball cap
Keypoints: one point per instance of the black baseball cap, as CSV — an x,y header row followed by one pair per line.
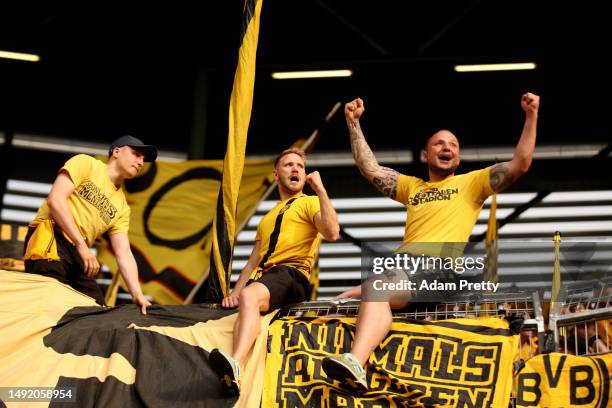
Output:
x,y
150,151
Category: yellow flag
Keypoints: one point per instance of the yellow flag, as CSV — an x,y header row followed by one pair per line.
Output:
x,y
491,242
562,380
556,282
241,102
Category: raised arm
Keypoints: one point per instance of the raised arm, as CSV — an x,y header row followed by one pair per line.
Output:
x,y
326,220
383,178
506,173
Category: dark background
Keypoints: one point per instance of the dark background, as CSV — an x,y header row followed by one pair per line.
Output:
x,y
164,73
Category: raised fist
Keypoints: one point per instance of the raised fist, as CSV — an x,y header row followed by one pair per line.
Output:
x,y
353,110
314,181
530,102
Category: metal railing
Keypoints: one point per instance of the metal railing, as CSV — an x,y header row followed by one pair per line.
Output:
x,y
522,309
581,319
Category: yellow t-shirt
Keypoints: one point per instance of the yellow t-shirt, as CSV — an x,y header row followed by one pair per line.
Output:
x,y
96,204
294,240
443,211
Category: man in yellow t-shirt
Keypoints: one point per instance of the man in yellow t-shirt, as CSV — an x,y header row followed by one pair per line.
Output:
x,y
86,201
277,271
441,210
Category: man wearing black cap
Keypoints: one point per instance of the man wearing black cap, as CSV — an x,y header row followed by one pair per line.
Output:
x,y
86,201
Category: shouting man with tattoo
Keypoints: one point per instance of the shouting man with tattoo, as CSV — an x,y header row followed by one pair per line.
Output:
x,y
429,220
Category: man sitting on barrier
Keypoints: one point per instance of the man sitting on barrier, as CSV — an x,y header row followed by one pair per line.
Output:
x,y
429,220
278,268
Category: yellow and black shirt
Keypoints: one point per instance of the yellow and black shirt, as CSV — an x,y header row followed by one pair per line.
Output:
x,y
443,211
96,204
288,235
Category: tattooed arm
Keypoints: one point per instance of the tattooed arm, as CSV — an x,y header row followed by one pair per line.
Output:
x,y
383,178
504,174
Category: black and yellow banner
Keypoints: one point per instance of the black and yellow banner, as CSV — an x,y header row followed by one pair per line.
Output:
x,y
562,380
54,336
241,102
171,222
456,363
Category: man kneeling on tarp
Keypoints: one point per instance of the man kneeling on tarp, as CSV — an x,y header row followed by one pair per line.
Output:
x,y
86,201
277,271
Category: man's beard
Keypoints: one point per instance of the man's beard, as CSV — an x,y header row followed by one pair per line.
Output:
x,y
444,171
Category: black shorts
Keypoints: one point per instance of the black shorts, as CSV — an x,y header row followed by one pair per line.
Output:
x,y
287,285
68,270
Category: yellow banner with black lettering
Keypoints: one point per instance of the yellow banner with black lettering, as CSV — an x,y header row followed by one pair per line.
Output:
x,y
456,363
172,209
562,380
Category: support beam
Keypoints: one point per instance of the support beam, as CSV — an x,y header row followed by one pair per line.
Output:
x,y
353,28
423,48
